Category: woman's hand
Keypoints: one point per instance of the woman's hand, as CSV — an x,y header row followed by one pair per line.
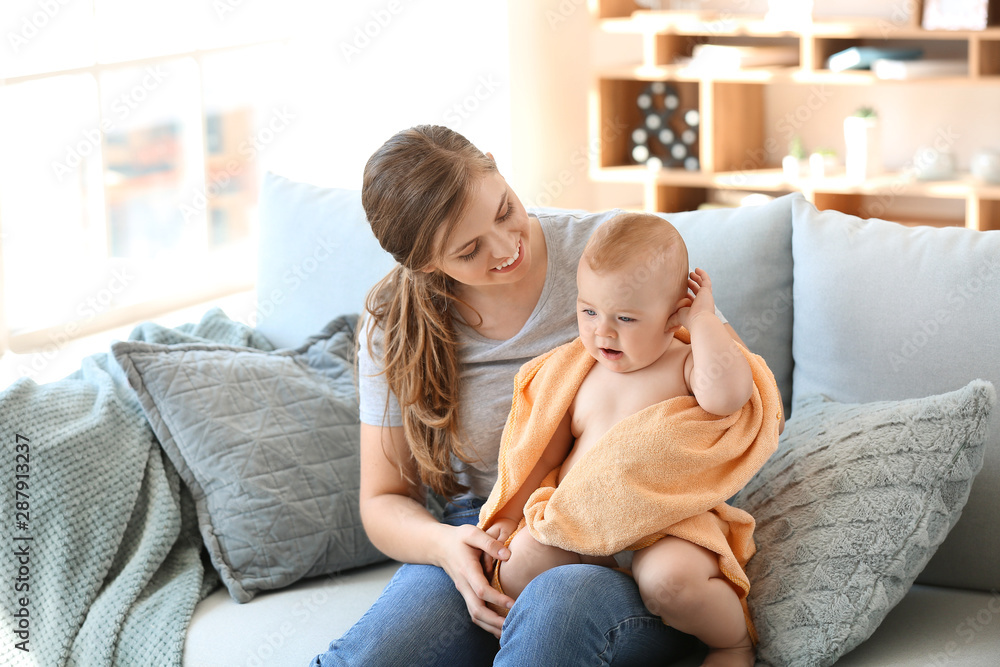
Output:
x,y
461,553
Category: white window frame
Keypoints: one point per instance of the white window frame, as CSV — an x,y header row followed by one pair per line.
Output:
x,y
38,339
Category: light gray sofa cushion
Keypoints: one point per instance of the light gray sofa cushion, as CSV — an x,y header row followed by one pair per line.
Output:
x,y
887,312
267,442
850,509
322,258
747,252
934,627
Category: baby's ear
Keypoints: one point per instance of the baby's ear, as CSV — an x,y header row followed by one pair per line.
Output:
x,y
674,321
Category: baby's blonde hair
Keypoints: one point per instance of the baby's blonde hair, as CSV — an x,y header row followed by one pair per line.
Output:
x,y
644,244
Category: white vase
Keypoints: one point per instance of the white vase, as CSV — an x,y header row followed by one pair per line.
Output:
x,y
986,166
791,168
863,154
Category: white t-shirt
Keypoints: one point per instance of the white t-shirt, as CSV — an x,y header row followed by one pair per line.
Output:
x,y
488,366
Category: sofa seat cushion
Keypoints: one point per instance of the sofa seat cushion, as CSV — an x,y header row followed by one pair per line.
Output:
x,y
888,312
934,626
285,627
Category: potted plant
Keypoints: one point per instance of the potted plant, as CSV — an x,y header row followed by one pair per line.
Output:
x,y
791,164
821,162
863,155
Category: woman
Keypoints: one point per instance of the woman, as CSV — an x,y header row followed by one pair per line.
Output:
x,y
481,287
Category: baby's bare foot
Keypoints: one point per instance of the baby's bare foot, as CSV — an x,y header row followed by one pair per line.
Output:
x,y
740,656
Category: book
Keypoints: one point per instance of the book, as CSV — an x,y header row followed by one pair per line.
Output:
x,y
722,57
862,57
887,68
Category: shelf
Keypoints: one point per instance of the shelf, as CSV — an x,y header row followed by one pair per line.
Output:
x,y
732,145
781,75
711,24
716,24
898,183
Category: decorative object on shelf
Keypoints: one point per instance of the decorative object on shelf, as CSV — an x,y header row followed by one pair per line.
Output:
x,y
863,154
862,57
791,164
667,136
742,113
960,14
986,166
822,162
640,145
933,165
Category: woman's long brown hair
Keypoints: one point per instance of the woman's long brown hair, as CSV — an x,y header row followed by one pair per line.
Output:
x,y
420,180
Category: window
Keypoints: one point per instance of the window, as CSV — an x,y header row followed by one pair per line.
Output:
x,y
134,133
130,135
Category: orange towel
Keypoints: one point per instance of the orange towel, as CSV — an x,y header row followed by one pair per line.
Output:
x,y
666,470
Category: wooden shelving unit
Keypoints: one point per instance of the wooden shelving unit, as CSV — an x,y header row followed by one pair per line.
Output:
x,y
731,106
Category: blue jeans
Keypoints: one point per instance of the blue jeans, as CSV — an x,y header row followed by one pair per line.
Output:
x,y
574,615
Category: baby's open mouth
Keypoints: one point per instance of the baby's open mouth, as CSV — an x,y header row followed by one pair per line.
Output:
x,y
608,353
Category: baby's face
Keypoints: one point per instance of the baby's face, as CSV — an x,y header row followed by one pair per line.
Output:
x,y
622,316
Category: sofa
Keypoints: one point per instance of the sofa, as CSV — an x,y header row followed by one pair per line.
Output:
x,y
227,528
881,337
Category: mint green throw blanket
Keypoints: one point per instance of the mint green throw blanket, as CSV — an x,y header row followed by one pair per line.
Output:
x,y
102,555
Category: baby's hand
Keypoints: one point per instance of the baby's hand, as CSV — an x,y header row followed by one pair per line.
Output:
x,y
700,294
501,529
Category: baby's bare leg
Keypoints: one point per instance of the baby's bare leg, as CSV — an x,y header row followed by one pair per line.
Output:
x,y
682,583
528,559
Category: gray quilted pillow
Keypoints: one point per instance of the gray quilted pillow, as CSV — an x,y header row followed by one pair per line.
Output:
x,y
850,509
267,442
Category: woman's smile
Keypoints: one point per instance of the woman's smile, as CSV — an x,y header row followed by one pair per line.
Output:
x,y
512,263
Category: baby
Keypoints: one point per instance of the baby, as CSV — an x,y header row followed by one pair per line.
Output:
x,y
633,285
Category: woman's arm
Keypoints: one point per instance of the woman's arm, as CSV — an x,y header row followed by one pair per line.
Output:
x,y
399,525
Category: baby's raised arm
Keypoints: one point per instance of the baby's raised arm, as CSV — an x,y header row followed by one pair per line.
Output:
x,y
716,372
